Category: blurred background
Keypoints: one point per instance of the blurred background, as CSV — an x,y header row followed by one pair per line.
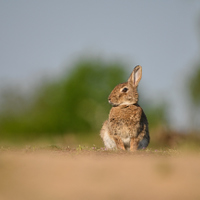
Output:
x,y
59,60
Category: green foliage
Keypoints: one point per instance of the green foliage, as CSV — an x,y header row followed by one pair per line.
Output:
x,y
194,87
75,102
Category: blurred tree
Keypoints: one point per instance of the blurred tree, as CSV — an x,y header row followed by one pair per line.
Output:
x,y
194,87
75,102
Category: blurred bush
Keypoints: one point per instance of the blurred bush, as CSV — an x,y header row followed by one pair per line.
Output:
x,y
75,102
194,86
193,89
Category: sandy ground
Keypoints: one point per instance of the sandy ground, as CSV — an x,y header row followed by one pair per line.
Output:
x,y
59,175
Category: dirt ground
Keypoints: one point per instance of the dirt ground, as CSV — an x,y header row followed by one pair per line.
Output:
x,y
60,175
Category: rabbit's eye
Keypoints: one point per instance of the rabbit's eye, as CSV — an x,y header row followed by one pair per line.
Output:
x,y
125,89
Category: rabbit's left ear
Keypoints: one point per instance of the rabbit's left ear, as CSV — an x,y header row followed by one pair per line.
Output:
x,y
136,75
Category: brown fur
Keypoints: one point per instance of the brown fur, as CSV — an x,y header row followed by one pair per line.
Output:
x,y
127,124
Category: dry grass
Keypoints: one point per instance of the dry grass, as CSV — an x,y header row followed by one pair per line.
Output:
x,y
91,173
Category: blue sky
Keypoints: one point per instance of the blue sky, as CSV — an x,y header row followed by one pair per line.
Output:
x,y
41,37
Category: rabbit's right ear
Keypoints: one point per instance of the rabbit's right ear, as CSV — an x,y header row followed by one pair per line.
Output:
x,y
135,76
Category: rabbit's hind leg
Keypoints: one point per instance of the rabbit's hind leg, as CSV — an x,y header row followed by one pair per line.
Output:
x,y
143,143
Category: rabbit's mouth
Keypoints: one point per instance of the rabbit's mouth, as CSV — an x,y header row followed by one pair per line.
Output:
x,y
121,104
113,104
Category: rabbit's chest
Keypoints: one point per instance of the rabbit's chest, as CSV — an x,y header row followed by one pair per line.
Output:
x,y
125,121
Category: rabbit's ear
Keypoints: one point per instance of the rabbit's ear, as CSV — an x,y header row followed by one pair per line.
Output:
x,y
136,75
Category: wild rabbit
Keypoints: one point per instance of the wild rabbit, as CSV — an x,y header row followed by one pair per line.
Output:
x,y
127,125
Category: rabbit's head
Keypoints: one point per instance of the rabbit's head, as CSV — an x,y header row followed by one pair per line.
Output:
x,y
126,93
